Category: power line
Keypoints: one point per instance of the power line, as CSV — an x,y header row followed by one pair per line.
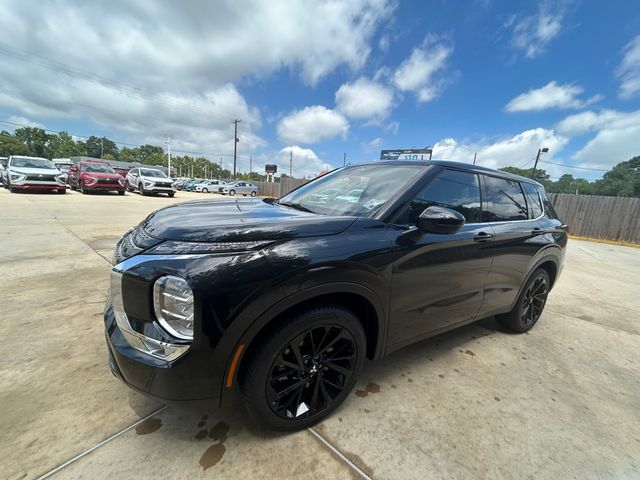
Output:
x,y
39,60
577,168
118,142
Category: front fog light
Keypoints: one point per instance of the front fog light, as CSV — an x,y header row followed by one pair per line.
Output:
x,y
173,306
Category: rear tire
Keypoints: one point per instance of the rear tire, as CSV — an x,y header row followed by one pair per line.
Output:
x,y
305,368
530,303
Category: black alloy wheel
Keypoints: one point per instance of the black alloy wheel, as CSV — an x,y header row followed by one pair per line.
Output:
x,y
534,299
312,370
305,368
530,303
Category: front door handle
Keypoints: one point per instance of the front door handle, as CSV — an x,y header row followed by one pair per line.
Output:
x,y
483,237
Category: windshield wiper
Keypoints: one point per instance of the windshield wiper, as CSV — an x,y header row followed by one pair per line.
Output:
x,y
297,206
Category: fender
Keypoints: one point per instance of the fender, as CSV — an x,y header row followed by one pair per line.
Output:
x,y
236,337
539,260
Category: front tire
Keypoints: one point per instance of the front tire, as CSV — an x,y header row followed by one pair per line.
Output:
x,y
121,192
253,194
171,194
232,192
205,190
530,303
305,368
143,192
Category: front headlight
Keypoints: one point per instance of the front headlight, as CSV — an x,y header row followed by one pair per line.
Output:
x,y
148,184
173,306
61,178
17,177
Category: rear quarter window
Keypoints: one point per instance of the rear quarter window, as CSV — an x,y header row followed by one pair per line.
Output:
x,y
503,200
534,201
548,208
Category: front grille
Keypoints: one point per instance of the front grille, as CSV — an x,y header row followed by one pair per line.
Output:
x,y
41,178
133,242
108,181
163,184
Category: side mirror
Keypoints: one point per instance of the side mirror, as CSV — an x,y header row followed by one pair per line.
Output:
x,y
440,220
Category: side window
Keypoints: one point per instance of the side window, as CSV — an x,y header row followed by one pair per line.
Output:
x,y
503,200
533,200
459,191
548,208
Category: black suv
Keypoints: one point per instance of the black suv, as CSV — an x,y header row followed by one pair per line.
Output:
x,y
280,301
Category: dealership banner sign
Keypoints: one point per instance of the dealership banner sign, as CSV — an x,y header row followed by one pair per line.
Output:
x,y
406,154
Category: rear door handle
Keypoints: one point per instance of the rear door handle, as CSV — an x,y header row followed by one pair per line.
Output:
x,y
483,237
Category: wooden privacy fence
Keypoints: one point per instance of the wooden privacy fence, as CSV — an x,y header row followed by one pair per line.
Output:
x,y
277,190
594,216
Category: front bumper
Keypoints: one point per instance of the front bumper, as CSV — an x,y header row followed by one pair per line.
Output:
x,y
38,186
105,187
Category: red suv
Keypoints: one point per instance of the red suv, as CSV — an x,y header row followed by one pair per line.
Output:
x,y
89,176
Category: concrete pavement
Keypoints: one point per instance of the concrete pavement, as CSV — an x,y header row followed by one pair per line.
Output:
x,y
562,401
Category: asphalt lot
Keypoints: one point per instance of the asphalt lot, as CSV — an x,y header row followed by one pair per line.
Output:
x,y
562,401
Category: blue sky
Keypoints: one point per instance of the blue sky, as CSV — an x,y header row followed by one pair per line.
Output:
x,y
496,78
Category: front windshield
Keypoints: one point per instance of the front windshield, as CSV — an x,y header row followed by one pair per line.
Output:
x,y
356,190
152,173
32,163
99,168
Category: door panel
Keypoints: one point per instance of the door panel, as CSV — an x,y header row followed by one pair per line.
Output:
x,y
437,282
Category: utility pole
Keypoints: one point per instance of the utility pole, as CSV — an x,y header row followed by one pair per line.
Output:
x,y
101,148
535,165
290,164
250,163
475,155
344,159
235,145
168,142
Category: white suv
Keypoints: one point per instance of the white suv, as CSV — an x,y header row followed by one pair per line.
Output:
x,y
33,173
149,180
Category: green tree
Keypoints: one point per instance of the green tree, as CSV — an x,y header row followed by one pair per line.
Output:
x,y
623,180
63,145
35,139
10,145
540,175
95,147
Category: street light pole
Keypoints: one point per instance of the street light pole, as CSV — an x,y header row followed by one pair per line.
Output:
x,y
535,165
168,142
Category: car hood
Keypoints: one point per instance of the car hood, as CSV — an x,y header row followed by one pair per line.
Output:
x,y
238,221
155,179
35,171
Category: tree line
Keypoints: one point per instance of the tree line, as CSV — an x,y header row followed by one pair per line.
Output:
x,y
623,180
37,142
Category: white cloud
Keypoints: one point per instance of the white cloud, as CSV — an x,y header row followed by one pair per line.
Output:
x,y
23,121
629,70
616,140
148,70
365,100
420,73
392,127
590,121
532,34
312,124
518,150
305,161
372,146
609,147
551,95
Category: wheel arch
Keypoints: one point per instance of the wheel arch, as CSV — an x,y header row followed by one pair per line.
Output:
x,y
550,263
355,297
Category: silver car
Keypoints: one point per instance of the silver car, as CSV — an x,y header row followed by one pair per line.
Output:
x,y
241,188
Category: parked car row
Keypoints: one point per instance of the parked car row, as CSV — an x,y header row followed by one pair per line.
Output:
x,y
35,173
231,188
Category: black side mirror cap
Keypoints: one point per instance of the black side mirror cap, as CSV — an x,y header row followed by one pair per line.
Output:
x,y
440,220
